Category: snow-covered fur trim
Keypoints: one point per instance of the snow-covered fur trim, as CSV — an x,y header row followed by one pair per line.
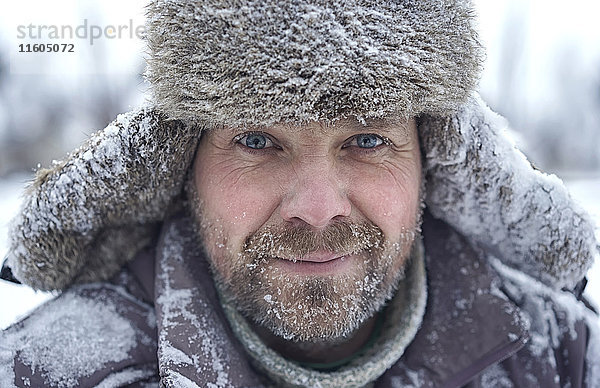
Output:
x,y
258,62
85,217
478,182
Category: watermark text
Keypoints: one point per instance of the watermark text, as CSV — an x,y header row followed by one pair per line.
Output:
x,y
87,31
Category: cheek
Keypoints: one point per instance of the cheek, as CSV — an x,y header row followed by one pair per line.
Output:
x,y
236,201
388,194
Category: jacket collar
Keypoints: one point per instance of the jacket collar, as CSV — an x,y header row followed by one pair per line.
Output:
x,y
469,324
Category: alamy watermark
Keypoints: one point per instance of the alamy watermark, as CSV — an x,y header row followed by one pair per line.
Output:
x,y
89,32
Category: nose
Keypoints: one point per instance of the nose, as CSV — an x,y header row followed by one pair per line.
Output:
x,y
315,196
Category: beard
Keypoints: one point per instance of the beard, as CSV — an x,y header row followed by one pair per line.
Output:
x,y
310,307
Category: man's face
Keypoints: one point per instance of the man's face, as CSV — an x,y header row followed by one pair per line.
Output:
x,y
308,229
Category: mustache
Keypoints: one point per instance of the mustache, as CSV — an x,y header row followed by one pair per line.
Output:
x,y
295,242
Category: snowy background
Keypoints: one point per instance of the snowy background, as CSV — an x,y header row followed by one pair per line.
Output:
x,y
542,73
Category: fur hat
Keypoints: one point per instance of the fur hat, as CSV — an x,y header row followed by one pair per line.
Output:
x,y
251,62
258,62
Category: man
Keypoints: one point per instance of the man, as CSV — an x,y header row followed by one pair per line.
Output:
x,y
315,198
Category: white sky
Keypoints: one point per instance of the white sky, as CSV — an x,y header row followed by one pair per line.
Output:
x,y
548,29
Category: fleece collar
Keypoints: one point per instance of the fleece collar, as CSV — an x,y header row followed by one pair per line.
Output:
x,y
403,318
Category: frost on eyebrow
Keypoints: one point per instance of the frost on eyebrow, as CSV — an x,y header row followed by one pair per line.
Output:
x,y
395,127
398,129
392,126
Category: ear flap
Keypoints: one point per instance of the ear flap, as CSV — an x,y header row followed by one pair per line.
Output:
x,y
479,183
82,219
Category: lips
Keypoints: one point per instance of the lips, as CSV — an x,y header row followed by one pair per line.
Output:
x,y
317,257
317,264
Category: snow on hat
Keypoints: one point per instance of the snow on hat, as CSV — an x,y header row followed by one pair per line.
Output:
x,y
215,63
257,62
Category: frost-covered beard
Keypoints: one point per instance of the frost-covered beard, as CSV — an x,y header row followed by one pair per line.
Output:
x,y
311,308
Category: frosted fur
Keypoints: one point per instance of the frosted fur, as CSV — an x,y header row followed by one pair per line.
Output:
x,y
480,184
86,216
257,62
82,219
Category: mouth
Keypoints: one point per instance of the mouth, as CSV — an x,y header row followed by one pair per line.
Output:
x,y
317,257
317,263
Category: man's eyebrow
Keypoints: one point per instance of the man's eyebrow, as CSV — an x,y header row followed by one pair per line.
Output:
x,y
385,126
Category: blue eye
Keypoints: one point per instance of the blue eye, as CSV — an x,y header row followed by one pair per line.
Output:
x,y
368,140
254,140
